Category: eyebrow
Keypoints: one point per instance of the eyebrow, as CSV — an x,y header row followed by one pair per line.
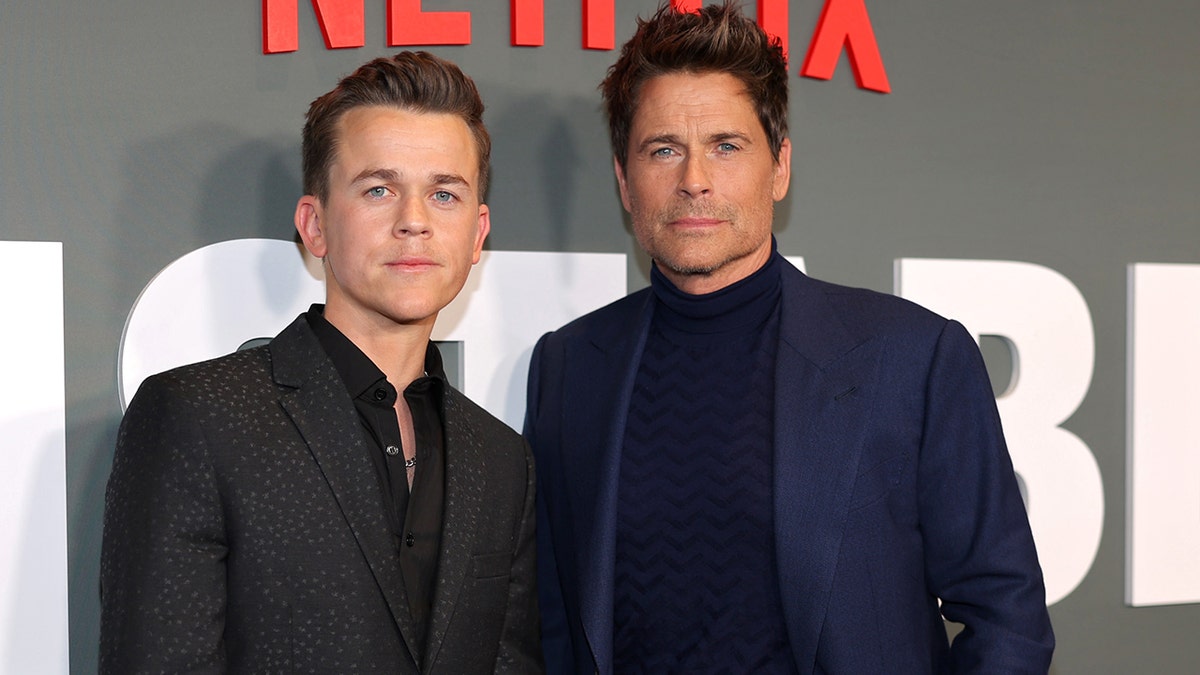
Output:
x,y
672,139
386,175
448,179
661,139
392,176
730,135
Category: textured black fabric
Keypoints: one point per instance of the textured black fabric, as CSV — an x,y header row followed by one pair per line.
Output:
x,y
243,531
695,583
415,515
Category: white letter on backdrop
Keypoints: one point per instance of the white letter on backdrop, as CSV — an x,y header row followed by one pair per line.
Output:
x,y
212,300
1046,323
1162,538
33,502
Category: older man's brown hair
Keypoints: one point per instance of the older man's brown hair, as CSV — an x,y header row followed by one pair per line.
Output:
x,y
717,39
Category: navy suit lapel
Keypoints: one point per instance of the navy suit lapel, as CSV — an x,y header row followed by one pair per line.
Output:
x,y
824,391
328,423
595,416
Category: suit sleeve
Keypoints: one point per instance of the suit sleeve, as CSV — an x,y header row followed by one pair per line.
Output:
x,y
979,552
162,567
556,643
519,651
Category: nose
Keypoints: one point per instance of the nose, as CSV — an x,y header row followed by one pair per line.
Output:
x,y
412,219
695,181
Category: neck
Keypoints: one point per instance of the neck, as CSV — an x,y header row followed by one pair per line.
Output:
x,y
729,273
736,308
397,349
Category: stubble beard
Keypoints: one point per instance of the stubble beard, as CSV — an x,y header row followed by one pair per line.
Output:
x,y
673,249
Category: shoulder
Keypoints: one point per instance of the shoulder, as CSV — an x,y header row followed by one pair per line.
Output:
x,y
291,358
862,312
617,315
176,416
219,377
479,423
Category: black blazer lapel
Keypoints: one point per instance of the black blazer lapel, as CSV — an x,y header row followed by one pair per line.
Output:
x,y
464,500
327,422
824,393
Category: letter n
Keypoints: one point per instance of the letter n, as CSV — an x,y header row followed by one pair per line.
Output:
x,y
341,22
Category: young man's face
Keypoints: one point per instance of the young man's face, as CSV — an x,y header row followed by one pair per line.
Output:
x,y
700,181
403,222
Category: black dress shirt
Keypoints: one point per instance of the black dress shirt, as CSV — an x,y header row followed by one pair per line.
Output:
x,y
415,515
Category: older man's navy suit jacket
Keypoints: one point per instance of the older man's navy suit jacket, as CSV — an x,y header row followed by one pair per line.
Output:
x,y
895,498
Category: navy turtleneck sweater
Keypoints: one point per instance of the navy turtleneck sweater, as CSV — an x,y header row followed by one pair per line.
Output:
x,y
696,586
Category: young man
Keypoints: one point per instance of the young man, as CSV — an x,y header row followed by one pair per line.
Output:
x,y
743,469
327,502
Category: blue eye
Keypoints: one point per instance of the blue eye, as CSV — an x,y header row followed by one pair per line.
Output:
x,y
726,147
662,152
443,197
377,192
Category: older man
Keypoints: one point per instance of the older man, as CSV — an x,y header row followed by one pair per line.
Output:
x,y
743,469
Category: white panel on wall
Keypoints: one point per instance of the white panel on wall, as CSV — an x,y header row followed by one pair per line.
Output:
x,y
1163,497
510,300
1045,320
212,300
33,501
798,261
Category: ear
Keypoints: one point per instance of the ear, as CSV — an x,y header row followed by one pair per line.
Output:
x,y
621,183
783,170
483,225
309,225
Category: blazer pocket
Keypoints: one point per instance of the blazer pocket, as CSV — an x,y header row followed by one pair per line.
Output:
x,y
491,565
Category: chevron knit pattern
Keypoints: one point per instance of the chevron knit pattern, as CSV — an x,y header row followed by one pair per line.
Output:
x,y
696,588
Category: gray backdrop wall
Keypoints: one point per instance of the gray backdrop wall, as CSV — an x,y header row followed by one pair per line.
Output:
x,y
1063,133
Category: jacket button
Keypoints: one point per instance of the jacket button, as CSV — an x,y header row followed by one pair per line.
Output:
x,y
410,540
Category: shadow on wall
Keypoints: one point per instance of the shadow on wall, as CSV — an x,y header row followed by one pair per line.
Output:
x,y
205,184
201,185
85,502
181,190
552,174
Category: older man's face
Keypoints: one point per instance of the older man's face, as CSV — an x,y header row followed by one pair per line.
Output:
x,y
700,181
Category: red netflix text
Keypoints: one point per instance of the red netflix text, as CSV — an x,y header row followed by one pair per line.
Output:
x,y
842,24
